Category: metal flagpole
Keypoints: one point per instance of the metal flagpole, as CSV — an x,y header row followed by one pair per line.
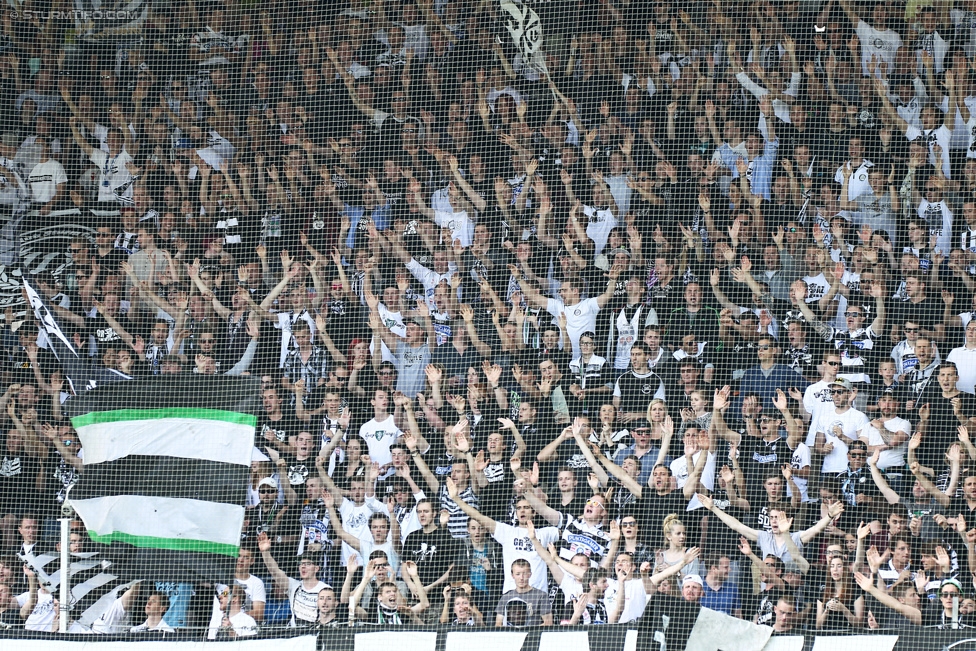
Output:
x,y
64,599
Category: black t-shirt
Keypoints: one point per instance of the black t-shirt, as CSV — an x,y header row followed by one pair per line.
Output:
x,y
18,477
99,328
651,509
721,538
494,500
432,552
926,313
940,432
287,426
298,473
637,392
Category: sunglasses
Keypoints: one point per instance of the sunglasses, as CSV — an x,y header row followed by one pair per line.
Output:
x,y
836,392
953,593
832,363
910,329
856,455
628,524
267,491
853,315
763,347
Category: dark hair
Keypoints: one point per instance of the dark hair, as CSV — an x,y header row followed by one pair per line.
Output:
x,y
714,560
899,538
592,575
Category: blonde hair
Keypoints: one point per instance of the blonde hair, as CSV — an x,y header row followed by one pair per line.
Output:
x,y
669,523
701,394
656,401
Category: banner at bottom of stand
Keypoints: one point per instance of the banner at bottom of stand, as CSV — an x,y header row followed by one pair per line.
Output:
x,y
97,643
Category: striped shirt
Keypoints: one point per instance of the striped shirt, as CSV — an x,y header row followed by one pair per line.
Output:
x,y
458,522
577,537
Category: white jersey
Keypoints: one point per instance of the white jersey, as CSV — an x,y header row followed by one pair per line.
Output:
x,y
115,180
430,279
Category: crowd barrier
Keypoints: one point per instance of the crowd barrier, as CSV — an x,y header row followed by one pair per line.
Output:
x,y
445,638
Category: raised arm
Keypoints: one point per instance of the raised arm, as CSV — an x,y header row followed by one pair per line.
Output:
x,y
418,459
833,511
279,577
469,510
730,521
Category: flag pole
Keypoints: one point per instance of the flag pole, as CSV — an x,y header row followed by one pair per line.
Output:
x,y
65,596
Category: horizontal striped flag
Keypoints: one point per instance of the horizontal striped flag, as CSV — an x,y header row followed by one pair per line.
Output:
x,y
166,465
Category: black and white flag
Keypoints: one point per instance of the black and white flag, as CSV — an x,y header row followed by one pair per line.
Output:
x,y
526,29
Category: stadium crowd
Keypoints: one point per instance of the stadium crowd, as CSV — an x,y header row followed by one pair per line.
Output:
x,y
687,317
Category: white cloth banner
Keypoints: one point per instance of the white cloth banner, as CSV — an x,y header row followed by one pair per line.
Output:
x,y
716,631
399,640
859,642
494,641
98,643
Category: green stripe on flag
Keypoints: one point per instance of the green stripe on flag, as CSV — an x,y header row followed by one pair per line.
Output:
x,y
177,544
119,415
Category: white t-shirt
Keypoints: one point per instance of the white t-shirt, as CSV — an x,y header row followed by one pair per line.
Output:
x,y
242,623
681,471
379,437
599,227
355,520
458,223
875,42
816,398
516,544
113,621
254,592
941,135
851,423
939,218
636,599
571,587
894,457
44,180
965,361
161,626
580,318
42,617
